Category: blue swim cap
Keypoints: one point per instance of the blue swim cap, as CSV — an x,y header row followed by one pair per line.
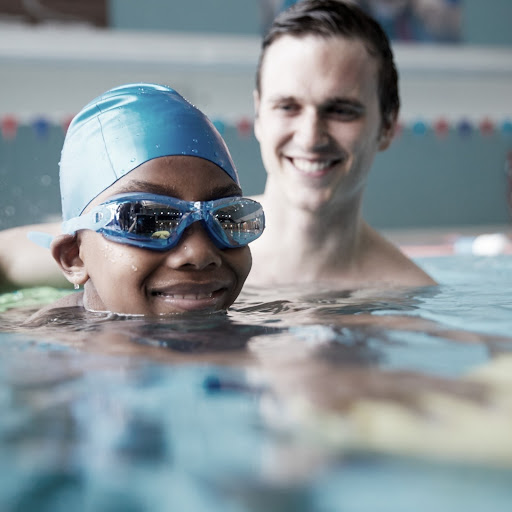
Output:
x,y
125,127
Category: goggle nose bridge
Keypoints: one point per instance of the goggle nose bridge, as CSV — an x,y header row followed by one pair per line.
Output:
x,y
198,212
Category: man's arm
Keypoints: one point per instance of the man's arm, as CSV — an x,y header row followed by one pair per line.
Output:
x,y
24,264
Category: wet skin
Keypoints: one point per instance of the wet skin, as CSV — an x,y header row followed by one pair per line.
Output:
x,y
193,276
318,119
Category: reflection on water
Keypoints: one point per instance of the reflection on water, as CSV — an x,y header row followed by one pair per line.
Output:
x,y
297,400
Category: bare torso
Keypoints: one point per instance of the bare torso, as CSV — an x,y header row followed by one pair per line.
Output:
x,y
352,256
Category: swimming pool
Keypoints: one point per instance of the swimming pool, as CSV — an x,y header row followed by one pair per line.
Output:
x,y
297,400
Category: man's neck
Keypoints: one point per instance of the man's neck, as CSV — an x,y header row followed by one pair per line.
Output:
x,y
330,236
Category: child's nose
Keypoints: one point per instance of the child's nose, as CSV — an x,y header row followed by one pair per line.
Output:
x,y
195,250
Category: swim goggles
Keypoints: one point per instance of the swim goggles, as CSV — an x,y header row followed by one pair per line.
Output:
x,y
157,222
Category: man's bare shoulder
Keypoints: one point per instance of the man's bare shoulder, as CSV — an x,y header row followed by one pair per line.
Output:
x,y
387,262
375,262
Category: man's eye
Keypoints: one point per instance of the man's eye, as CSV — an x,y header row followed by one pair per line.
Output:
x,y
288,107
345,112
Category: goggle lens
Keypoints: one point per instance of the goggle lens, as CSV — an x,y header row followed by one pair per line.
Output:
x,y
238,223
144,220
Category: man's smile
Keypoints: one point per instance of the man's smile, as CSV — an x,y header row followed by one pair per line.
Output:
x,y
312,166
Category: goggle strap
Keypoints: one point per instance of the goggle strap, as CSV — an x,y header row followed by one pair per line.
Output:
x,y
40,238
94,220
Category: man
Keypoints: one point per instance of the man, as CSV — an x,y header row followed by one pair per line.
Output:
x,y
326,102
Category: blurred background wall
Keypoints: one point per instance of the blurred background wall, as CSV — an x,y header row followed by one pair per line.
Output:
x,y
450,163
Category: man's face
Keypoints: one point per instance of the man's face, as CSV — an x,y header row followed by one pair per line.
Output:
x,y
318,119
193,276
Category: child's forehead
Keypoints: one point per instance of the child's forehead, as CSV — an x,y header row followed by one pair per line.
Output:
x,y
212,190
183,177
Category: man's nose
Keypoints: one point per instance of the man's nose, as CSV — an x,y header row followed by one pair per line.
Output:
x,y
311,130
195,250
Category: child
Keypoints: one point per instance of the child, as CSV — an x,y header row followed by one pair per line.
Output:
x,y
140,167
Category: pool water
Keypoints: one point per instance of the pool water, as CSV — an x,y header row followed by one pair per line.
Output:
x,y
297,400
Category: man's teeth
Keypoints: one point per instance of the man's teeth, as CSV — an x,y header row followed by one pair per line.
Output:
x,y
188,296
311,167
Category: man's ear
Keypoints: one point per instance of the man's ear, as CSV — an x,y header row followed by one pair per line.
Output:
x,y
388,131
256,100
65,250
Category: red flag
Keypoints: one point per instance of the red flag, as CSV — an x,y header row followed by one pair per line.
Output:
x,y
9,127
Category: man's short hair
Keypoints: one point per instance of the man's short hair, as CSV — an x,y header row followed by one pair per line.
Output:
x,y
337,18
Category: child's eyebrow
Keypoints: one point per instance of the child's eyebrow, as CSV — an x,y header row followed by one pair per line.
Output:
x,y
226,191
151,188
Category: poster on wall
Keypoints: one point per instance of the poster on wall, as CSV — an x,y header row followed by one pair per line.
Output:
x,y
429,21
432,21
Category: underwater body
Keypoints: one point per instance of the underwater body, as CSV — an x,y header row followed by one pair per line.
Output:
x,y
296,399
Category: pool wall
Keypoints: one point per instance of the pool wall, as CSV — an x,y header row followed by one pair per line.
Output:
x,y
449,165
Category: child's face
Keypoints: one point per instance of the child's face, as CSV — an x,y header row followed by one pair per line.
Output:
x,y
193,276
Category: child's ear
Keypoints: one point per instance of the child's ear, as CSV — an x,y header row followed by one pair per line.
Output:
x,y
65,250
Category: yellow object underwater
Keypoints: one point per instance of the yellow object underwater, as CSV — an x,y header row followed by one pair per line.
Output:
x,y
442,426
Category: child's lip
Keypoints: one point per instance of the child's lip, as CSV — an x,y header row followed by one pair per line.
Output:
x,y
189,296
189,287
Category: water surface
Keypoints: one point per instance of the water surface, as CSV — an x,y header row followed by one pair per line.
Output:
x,y
297,399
